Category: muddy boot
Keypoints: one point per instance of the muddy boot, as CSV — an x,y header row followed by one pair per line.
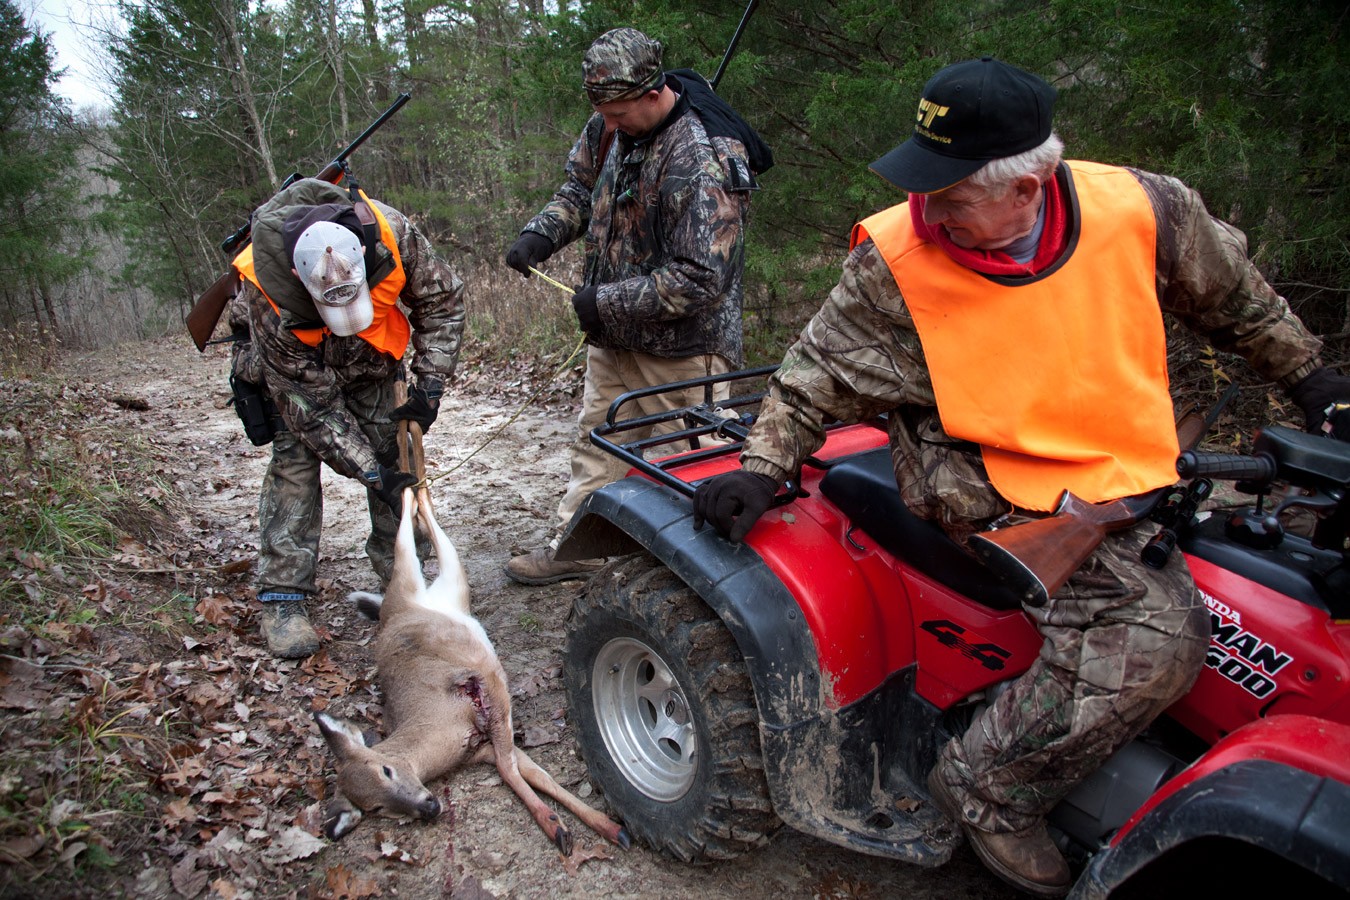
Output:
x,y
1026,859
539,567
286,627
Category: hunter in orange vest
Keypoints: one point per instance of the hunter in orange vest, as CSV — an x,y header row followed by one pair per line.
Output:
x,y
371,312
325,285
1105,434
1009,318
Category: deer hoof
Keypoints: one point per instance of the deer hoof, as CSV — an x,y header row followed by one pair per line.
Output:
x,y
563,839
622,839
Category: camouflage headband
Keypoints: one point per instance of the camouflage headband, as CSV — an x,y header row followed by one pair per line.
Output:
x,y
622,64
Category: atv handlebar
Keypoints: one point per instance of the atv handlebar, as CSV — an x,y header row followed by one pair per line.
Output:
x,y
1258,469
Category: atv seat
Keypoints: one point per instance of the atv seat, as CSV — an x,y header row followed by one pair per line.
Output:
x,y
864,489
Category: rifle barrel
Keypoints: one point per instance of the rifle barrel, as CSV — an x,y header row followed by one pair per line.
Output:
x,y
373,127
232,243
735,39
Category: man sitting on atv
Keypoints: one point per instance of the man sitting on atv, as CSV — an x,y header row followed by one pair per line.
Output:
x,y
1009,318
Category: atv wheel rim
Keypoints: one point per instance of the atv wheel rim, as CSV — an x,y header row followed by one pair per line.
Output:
x,y
644,719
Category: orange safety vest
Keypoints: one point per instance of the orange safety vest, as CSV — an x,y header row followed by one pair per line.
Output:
x,y
1061,378
388,330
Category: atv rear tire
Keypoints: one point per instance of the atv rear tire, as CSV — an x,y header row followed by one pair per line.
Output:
x,y
666,715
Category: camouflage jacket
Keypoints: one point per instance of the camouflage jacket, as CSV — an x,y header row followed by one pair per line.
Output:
x,y
664,223
308,382
860,355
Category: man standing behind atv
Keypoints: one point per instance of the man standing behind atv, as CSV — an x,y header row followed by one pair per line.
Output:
x,y
321,284
659,185
1008,317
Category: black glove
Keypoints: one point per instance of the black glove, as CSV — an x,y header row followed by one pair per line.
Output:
x,y
388,485
1339,423
1317,394
733,502
388,455
423,402
588,313
531,248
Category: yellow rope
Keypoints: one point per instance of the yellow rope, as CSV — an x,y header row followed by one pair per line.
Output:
x,y
516,415
556,284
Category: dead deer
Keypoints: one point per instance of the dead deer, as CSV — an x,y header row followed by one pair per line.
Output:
x,y
446,703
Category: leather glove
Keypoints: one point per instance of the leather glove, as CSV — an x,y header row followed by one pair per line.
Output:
x,y
388,485
531,248
1317,395
422,405
588,313
733,502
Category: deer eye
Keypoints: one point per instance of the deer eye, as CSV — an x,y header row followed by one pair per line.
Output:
x,y
388,772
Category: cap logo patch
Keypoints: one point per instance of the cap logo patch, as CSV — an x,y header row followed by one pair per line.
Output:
x,y
928,111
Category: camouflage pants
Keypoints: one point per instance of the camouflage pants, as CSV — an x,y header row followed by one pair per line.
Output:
x,y
610,373
290,510
1122,642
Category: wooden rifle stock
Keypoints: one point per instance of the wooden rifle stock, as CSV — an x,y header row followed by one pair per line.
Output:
x,y
1036,558
206,312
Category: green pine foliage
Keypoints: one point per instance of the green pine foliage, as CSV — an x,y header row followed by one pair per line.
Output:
x,y
37,184
1242,99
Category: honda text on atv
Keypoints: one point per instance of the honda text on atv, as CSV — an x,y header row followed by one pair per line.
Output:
x,y
810,675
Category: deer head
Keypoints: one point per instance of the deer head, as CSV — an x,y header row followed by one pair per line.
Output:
x,y
370,781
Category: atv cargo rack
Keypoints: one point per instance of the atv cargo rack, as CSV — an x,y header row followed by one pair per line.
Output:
x,y
728,420
709,418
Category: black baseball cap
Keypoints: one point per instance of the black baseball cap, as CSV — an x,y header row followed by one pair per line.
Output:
x,y
969,113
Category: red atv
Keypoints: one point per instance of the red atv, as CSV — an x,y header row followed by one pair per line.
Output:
x,y
810,675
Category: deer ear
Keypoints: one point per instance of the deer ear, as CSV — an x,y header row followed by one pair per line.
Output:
x,y
340,818
343,737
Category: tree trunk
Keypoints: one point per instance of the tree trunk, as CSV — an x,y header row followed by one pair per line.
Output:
x,y
336,59
232,44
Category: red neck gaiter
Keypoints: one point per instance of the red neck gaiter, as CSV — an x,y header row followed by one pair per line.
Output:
x,y
996,262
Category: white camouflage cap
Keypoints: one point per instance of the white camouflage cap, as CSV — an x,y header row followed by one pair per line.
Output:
x,y
332,264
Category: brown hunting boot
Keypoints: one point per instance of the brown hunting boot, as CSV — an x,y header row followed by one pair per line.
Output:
x,y
1026,859
286,627
540,567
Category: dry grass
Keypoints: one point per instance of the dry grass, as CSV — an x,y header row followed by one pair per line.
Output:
x,y
510,316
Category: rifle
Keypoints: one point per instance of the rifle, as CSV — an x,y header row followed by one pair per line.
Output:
x,y
206,312
735,39
1036,558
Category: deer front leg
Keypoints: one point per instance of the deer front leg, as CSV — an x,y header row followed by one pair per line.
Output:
x,y
547,819
598,822
495,702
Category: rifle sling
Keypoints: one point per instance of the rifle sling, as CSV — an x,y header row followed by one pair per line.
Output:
x,y
379,261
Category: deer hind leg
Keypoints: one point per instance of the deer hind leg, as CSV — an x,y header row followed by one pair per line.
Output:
x,y
452,584
540,780
406,584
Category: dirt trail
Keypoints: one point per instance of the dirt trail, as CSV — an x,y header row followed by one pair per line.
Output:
x,y
502,499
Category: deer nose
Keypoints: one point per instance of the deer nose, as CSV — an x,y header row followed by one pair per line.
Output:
x,y
429,808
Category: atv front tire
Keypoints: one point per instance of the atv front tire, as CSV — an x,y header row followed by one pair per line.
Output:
x,y
665,714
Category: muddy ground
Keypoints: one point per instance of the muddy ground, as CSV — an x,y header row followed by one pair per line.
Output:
x,y
233,770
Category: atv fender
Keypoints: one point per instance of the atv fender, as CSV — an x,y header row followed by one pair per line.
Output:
x,y
1281,784
824,775
634,514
